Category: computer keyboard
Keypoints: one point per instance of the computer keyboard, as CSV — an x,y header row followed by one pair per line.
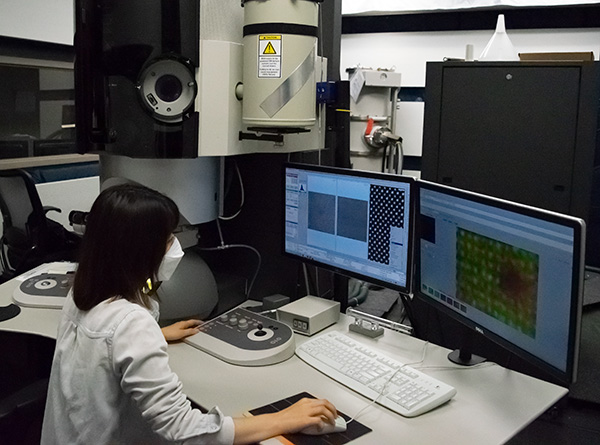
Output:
x,y
376,376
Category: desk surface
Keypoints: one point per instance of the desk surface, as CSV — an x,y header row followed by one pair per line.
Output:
x,y
491,405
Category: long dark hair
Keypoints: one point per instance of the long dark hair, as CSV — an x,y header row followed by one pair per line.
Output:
x,y
125,238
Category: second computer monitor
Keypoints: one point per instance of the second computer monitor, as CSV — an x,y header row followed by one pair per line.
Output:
x,y
353,222
510,272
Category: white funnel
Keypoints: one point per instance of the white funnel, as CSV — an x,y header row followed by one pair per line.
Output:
x,y
499,47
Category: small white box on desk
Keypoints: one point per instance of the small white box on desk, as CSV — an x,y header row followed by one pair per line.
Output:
x,y
309,314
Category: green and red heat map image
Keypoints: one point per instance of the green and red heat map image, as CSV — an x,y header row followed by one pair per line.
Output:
x,y
498,279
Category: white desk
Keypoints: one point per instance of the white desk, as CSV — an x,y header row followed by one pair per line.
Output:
x,y
492,403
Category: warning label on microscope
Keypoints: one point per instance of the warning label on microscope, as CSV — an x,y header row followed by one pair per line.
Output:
x,y
269,56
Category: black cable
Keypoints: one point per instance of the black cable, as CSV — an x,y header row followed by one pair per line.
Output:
x,y
3,256
299,280
408,309
242,193
311,280
404,314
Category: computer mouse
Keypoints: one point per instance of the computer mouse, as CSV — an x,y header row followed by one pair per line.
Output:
x,y
328,428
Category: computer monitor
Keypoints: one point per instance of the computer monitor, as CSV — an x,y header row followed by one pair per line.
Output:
x,y
510,272
355,223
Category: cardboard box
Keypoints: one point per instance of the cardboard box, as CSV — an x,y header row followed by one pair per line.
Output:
x,y
574,56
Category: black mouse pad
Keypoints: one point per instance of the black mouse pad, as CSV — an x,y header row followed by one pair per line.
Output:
x,y
8,312
354,431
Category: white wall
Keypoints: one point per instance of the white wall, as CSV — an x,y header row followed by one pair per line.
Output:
x,y
43,20
409,52
402,6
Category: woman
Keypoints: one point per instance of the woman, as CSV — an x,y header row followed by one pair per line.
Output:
x,y
110,380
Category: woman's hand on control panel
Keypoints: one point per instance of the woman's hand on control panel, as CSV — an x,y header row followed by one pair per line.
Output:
x,y
181,330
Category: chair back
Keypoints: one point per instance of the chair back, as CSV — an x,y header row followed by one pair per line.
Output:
x,y
19,202
29,238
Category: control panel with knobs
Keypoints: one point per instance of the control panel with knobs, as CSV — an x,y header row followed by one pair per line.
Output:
x,y
242,337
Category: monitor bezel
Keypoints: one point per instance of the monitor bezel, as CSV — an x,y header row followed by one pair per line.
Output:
x,y
577,224
410,181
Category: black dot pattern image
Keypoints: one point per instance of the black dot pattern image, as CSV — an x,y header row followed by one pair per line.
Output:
x,y
385,211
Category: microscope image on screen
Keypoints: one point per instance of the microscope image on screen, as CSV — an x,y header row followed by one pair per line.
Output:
x,y
339,222
498,279
355,222
352,218
386,214
374,222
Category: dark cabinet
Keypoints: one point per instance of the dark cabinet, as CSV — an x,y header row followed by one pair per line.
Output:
x,y
525,132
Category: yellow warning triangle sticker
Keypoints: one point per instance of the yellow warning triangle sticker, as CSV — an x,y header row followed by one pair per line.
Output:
x,y
269,49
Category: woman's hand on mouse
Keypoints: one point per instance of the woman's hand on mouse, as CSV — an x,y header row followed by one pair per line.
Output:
x,y
302,414
307,412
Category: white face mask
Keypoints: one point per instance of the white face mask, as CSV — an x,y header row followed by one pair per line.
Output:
x,y
170,261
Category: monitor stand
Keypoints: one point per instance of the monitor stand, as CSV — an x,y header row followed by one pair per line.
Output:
x,y
464,357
